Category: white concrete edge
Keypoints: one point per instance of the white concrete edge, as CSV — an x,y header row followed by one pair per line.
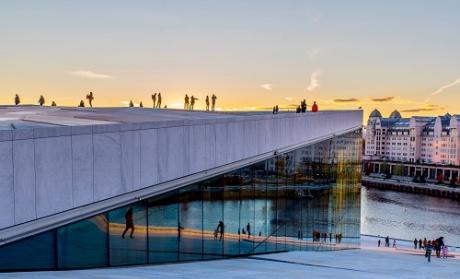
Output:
x,y
24,230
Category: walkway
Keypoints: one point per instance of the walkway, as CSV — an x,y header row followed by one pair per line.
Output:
x,y
355,264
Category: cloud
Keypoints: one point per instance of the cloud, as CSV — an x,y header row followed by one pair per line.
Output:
x,y
266,86
446,86
427,108
349,100
314,81
312,53
288,98
384,99
89,74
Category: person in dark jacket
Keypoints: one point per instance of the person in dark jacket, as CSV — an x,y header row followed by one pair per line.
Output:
x,y
429,247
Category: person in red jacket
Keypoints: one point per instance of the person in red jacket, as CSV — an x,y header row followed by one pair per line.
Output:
x,y
314,107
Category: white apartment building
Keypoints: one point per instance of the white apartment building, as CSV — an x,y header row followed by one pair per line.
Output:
x,y
419,139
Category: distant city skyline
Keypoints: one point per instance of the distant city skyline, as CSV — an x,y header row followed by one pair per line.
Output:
x,y
252,55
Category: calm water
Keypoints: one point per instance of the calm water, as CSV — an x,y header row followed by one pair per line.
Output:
x,y
409,216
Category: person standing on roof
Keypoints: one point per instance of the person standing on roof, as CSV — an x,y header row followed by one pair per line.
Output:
x,y
207,103
213,102
314,107
159,100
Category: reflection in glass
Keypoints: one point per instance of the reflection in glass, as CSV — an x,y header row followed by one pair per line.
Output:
x,y
36,252
83,244
128,235
190,225
213,218
307,199
163,230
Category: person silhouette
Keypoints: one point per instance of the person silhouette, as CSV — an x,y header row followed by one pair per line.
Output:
x,y
186,101
213,102
220,230
131,104
314,107
179,230
248,228
207,103
141,105
192,102
82,104
90,98
17,100
159,100
129,223
41,100
154,99
53,104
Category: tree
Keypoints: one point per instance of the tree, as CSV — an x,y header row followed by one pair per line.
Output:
x,y
17,100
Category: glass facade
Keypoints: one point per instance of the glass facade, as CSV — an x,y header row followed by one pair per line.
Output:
x,y
306,199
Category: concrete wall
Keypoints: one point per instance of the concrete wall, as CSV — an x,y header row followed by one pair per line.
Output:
x,y
49,170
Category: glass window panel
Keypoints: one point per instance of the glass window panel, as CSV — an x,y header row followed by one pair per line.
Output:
x,y
128,235
247,226
84,244
36,252
271,188
163,223
232,182
260,208
213,218
190,226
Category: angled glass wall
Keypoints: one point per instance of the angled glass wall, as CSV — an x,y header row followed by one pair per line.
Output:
x,y
306,199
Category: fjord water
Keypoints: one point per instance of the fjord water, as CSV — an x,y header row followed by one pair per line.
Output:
x,y
408,216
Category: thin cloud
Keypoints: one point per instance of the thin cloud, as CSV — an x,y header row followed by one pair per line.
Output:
x,y
446,86
314,81
312,53
384,99
266,86
288,98
89,74
349,100
427,108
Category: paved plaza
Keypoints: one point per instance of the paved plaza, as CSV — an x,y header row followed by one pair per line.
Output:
x,y
355,263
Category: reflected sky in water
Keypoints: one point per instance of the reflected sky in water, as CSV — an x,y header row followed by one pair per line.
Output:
x,y
409,216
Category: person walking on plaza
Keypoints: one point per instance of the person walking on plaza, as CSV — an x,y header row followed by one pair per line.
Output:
x,y
207,103
213,102
314,107
425,243
429,247
415,243
154,100
248,228
129,223
186,102
394,243
159,100
420,243
387,241
378,243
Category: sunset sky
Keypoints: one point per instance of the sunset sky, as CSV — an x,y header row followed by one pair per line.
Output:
x,y
251,54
